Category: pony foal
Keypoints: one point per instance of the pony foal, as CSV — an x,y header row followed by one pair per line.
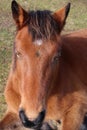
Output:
x,y
48,79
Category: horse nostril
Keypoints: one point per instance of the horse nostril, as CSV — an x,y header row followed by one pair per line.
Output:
x,y
25,120
40,117
22,116
43,112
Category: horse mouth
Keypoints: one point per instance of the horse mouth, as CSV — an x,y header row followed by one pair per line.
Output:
x,y
35,124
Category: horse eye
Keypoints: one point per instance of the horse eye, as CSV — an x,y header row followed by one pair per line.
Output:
x,y
18,54
56,58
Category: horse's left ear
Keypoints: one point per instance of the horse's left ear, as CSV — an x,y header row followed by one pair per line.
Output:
x,y
20,16
61,15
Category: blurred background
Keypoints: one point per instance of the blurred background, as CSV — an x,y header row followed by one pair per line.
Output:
x,y
77,19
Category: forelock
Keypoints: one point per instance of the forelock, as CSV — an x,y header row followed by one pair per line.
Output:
x,y
42,25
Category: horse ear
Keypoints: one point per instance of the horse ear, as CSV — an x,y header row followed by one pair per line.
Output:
x,y
19,14
61,15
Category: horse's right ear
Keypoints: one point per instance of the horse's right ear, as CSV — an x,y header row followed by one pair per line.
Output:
x,y
19,14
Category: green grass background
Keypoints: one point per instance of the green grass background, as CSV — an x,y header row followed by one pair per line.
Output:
x,y
77,20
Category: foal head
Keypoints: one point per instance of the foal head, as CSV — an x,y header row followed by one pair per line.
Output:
x,y
36,59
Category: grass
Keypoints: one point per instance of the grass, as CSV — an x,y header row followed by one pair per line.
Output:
x,y
77,20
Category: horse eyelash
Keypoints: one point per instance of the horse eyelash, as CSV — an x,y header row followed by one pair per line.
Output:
x,y
57,56
18,54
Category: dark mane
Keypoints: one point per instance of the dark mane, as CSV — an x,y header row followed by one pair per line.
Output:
x,y
42,25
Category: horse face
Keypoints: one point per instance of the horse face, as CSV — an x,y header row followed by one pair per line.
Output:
x,y
37,63
36,51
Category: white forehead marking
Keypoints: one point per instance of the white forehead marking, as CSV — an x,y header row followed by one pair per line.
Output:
x,y
38,42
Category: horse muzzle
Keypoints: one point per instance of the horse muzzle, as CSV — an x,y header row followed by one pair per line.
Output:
x,y
35,124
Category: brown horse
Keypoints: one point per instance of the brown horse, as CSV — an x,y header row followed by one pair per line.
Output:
x,y
47,84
